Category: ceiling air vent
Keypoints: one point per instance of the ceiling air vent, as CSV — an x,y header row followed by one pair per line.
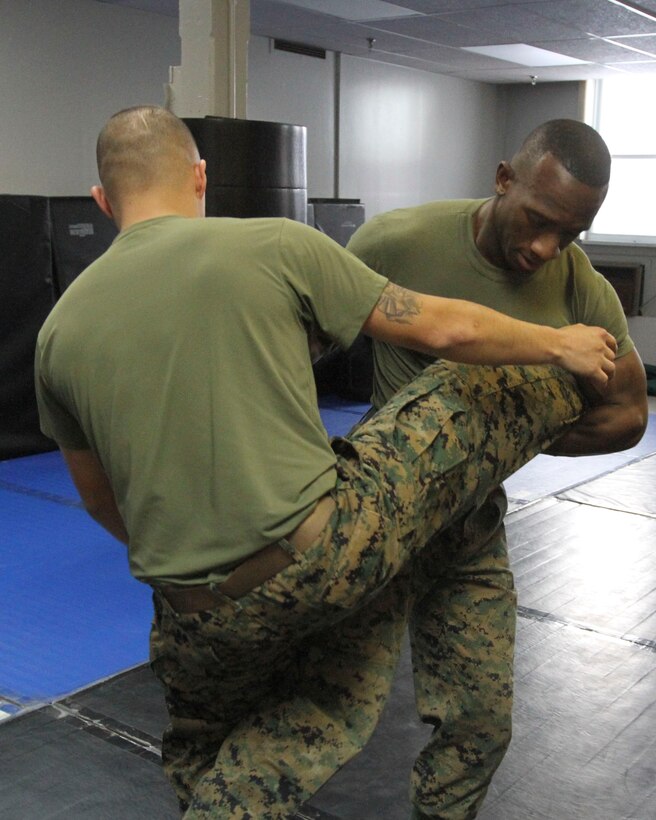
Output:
x,y
300,48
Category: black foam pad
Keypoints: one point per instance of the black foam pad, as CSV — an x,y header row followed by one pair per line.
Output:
x,y
251,153
80,234
26,298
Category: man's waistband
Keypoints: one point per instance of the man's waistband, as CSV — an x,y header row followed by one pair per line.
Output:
x,y
254,570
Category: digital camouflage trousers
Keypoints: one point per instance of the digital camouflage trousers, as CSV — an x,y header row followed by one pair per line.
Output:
x,y
270,694
462,607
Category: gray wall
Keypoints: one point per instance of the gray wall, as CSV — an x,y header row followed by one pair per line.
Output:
x,y
526,106
408,136
66,66
284,87
405,136
398,137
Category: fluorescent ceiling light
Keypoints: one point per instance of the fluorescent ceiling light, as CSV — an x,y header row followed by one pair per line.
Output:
x,y
354,9
635,8
525,55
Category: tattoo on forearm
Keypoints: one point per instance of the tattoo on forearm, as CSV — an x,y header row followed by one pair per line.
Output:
x,y
398,304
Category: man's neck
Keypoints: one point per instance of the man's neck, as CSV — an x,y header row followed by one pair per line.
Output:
x,y
483,228
479,217
133,218
142,207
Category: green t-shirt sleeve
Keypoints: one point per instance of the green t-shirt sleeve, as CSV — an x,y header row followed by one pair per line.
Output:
x,y
334,289
55,420
595,301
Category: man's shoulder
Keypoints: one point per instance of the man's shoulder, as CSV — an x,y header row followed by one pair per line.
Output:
x,y
577,254
583,285
430,211
575,262
419,221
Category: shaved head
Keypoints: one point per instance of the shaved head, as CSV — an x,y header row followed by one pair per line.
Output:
x,y
577,147
143,148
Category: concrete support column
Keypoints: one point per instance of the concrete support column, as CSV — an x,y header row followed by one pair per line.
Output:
x,y
212,78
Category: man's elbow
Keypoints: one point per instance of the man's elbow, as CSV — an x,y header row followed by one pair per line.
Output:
x,y
629,428
451,342
636,425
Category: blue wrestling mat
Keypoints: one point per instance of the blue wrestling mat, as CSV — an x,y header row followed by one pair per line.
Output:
x,y
339,415
71,613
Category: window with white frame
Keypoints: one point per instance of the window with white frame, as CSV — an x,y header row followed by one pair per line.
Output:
x,y
624,113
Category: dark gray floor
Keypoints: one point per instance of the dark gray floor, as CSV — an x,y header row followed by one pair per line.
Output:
x,y
584,745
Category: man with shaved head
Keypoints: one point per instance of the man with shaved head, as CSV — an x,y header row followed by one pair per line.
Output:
x,y
143,156
514,252
175,375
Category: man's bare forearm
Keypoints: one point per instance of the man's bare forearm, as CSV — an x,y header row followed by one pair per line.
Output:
x,y
467,332
603,429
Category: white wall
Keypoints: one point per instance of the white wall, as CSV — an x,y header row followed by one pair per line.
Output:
x,y
298,89
408,136
66,66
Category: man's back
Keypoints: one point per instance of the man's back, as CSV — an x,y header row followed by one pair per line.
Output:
x,y
183,353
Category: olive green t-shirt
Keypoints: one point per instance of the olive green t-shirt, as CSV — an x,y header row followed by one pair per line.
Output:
x,y
431,249
180,357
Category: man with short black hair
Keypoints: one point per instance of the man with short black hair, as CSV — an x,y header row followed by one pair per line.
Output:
x,y
514,252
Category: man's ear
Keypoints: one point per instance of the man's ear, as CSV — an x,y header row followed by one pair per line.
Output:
x,y
504,178
200,174
98,193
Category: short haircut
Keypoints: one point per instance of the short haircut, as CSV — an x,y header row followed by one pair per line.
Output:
x,y
141,147
578,147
